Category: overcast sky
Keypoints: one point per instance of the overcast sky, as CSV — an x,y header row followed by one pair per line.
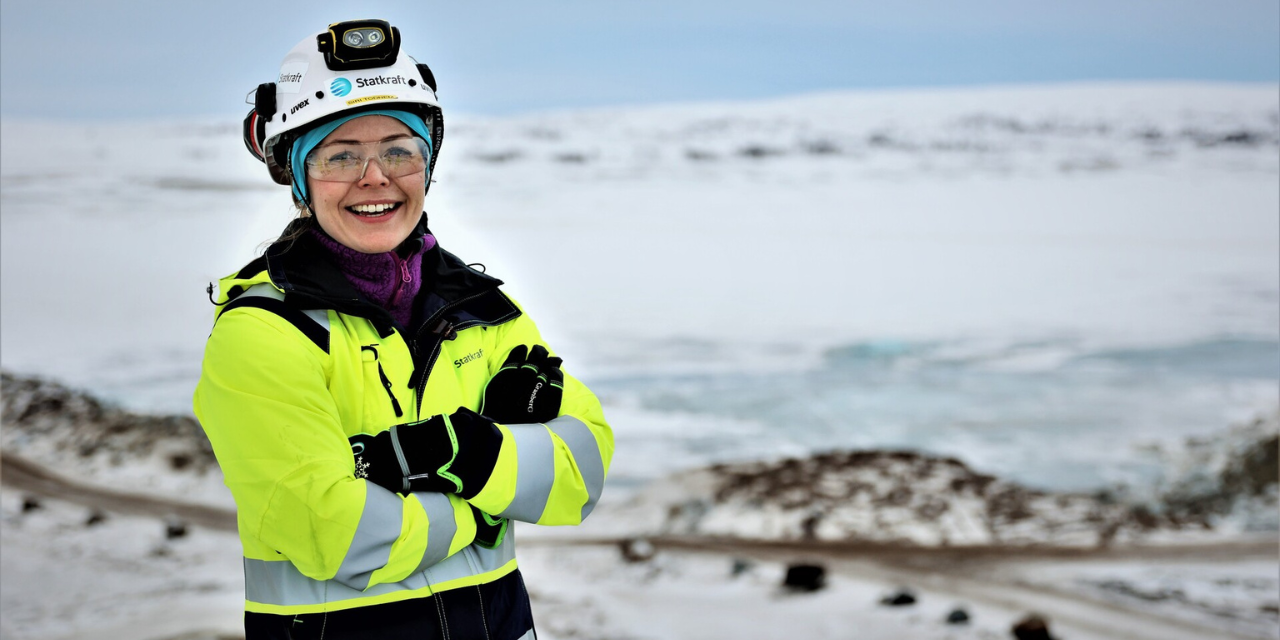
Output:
x,y
92,59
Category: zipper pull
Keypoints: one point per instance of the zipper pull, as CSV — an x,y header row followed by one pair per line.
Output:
x,y
404,272
445,330
386,384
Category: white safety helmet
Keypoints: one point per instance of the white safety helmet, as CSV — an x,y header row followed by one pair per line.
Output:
x,y
351,67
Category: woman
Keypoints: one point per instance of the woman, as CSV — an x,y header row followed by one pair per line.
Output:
x,y
379,409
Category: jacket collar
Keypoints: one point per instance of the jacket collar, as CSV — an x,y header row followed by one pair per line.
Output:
x,y
309,278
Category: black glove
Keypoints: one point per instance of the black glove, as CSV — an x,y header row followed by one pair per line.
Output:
x,y
526,389
489,530
444,454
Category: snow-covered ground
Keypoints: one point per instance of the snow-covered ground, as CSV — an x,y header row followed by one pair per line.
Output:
x,y
1056,285
123,578
120,578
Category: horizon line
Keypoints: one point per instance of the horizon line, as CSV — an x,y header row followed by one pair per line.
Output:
x,y
695,102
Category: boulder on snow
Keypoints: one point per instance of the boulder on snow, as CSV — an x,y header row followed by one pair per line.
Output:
x,y
899,598
805,577
636,550
175,529
30,503
1032,627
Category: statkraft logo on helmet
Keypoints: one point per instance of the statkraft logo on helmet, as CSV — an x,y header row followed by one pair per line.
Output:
x,y
340,87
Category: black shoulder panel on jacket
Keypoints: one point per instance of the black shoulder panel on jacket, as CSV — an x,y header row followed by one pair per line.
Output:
x,y
493,308
298,319
255,266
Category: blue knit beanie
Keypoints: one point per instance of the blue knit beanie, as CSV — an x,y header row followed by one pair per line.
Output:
x,y
311,139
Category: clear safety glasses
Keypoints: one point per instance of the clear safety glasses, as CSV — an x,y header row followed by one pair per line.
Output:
x,y
348,161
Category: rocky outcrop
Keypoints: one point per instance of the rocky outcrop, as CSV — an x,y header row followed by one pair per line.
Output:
x,y
888,497
1231,480
1225,483
53,424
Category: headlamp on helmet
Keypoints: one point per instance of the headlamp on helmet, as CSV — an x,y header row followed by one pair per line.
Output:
x,y
359,44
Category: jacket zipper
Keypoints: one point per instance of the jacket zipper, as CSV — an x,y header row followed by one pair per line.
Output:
x,y
447,329
405,278
386,383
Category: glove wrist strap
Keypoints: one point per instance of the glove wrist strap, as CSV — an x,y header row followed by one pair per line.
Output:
x,y
404,464
443,471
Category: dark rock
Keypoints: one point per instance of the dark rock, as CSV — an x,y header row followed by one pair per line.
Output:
x,y
880,140
95,518
740,566
29,504
758,151
821,148
805,577
1247,138
175,529
958,616
899,598
499,157
1151,135
1255,470
809,527
180,461
1032,627
1144,518
636,550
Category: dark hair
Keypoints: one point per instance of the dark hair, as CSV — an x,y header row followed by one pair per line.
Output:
x,y
298,227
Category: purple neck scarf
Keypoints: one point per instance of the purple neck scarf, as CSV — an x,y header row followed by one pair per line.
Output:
x,y
385,279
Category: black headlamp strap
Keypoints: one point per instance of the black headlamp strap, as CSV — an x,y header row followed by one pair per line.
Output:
x,y
427,76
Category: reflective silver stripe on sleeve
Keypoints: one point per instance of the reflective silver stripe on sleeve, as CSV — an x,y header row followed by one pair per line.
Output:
x,y
280,583
441,527
586,453
535,471
473,560
379,528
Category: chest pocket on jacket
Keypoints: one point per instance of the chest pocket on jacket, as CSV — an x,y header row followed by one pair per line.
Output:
x,y
380,402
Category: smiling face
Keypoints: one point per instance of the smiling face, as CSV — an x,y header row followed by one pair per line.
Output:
x,y
375,213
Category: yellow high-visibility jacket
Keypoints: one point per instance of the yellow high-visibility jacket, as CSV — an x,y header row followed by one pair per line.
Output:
x,y
298,362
